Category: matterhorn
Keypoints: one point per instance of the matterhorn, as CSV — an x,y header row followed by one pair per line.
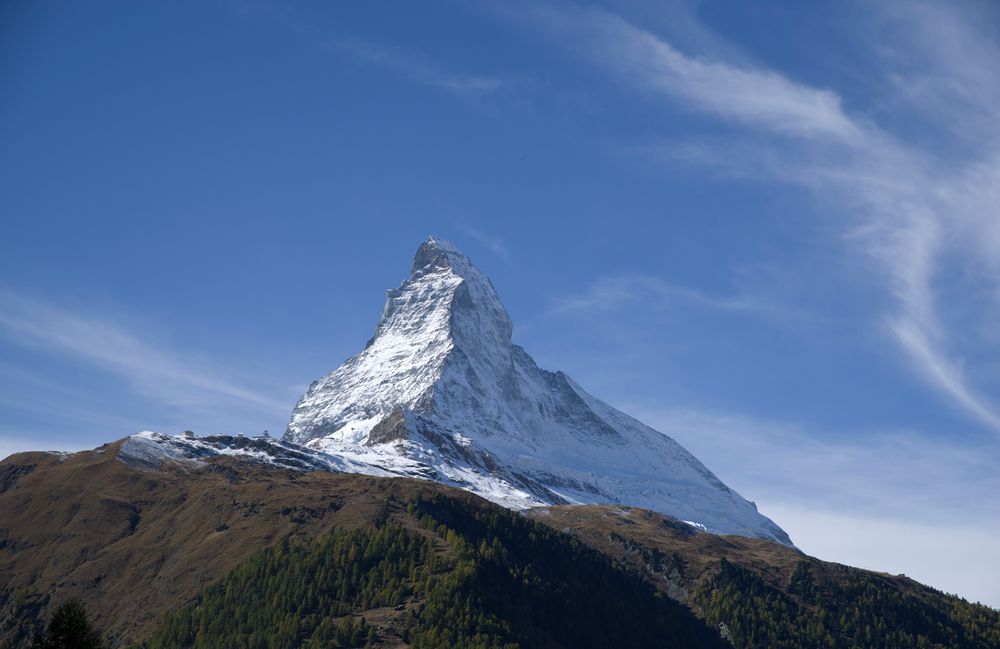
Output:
x,y
440,392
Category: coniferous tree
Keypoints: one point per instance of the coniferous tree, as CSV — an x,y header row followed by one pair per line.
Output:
x,y
70,628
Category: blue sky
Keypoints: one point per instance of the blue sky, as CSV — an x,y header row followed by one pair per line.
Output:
x,y
770,230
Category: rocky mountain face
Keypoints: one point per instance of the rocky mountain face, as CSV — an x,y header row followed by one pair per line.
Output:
x,y
441,392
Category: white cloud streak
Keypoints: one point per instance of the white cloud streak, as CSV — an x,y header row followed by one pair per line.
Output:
x,y
757,97
902,475
150,368
406,63
418,68
494,244
615,291
910,209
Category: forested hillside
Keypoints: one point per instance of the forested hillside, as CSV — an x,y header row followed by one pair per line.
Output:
x,y
767,596
467,577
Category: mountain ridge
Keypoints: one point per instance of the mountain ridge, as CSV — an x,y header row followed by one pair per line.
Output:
x,y
137,543
441,391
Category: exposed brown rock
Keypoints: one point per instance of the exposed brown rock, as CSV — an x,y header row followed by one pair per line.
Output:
x,y
390,429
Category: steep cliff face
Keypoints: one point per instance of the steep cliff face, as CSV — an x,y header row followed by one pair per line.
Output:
x,y
440,392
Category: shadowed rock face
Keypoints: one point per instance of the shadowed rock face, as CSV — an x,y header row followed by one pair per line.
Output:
x,y
440,391
391,429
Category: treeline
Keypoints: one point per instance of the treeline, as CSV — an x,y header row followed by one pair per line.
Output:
x,y
469,578
836,607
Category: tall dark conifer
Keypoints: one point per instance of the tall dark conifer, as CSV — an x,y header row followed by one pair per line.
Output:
x,y
70,628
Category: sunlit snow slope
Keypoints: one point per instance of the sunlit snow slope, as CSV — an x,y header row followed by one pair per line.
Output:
x,y
440,392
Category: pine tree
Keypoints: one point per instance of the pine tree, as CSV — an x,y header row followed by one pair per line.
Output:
x,y
70,628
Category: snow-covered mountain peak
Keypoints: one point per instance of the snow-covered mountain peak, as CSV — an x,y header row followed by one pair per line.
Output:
x,y
441,276
435,254
440,392
447,309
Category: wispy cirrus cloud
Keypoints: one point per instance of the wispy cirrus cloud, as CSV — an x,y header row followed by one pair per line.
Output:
x,y
754,96
150,368
939,63
417,67
893,474
407,63
612,292
918,212
496,245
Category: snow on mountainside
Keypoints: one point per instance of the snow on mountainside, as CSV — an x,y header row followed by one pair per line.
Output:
x,y
440,392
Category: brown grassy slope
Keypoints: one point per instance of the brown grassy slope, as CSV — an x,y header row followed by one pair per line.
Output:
x,y
133,544
628,533
622,532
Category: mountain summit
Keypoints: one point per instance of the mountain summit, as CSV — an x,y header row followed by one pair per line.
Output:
x,y
440,392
